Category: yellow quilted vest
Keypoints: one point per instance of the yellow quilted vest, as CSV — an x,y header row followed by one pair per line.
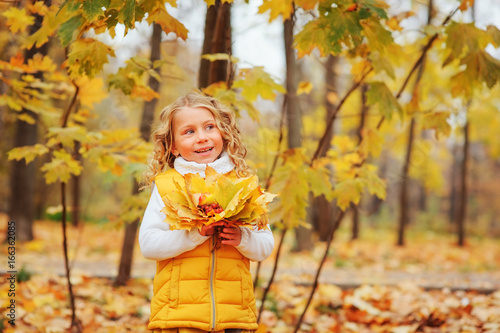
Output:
x,y
203,289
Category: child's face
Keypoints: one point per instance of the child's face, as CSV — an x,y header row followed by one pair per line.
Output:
x,y
196,135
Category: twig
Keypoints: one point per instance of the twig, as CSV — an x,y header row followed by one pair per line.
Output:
x,y
318,272
270,176
331,119
271,279
417,64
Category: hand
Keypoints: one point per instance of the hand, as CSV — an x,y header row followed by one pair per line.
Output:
x,y
208,230
231,235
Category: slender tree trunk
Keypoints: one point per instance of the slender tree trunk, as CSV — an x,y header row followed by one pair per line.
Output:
x,y
452,211
22,178
294,119
404,216
403,203
217,40
322,209
462,206
362,120
126,260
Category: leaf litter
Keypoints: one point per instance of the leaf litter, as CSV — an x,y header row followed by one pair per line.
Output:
x,y
400,305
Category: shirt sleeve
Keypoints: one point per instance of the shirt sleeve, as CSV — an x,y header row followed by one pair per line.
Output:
x,y
256,244
156,240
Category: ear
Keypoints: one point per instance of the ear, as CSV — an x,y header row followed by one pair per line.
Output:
x,y
174,151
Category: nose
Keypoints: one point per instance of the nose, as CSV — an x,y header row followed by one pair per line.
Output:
x,y
202,137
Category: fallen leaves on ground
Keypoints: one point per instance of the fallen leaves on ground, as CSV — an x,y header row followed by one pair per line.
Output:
x,y
391,306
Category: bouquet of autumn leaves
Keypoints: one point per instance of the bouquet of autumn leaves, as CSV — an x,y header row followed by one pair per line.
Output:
x,y
217,197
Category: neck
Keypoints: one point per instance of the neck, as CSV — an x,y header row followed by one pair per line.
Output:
x,y
222,165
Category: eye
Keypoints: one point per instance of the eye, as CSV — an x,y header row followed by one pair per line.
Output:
x,y
210,127
189,131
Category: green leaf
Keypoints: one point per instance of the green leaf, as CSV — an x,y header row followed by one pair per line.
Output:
x,y
482,67
94,9
438,122
382,99
465,38
494,34
378,37
382,64
69,28
126,15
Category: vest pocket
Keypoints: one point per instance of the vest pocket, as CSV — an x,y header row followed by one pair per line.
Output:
x,y
174,285
246,288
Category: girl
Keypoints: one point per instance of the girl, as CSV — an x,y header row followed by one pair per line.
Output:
x,y
197,288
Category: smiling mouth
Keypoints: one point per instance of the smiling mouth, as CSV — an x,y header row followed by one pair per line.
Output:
x,y
204,150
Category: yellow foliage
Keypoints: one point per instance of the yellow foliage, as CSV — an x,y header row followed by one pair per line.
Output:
x,y
18,19
277,8
61,167
91,90
304,87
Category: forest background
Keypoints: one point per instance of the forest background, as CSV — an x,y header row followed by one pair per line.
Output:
x,y
381,128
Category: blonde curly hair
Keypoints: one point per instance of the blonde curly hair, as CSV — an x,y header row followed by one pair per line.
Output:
x,y
163,136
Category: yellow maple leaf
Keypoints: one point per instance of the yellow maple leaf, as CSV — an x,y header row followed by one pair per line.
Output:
x,y
465,4
144,92
307,4
38,8
61,167
371,143
18,19
277,8
27,152
167,22
216,197
304,87
91,90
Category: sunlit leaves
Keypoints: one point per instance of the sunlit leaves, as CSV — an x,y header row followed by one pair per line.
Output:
x,y
28,153
18,19
167,22
61,167
69,28
438,122
277,8
293,181
341,25
232,98
132,79
88,56
304,87
256,82
92,10
467,44
381,98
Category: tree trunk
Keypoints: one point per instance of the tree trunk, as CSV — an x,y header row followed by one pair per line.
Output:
x,y
462,206
403,203
452,211
362,120
126,260
217,40
22,178
303,236
323,210
404,216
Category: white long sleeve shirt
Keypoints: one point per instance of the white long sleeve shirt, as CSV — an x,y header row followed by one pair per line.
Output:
x,y
158,242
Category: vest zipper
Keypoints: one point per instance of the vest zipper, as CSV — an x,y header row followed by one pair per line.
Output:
x,y
212,294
